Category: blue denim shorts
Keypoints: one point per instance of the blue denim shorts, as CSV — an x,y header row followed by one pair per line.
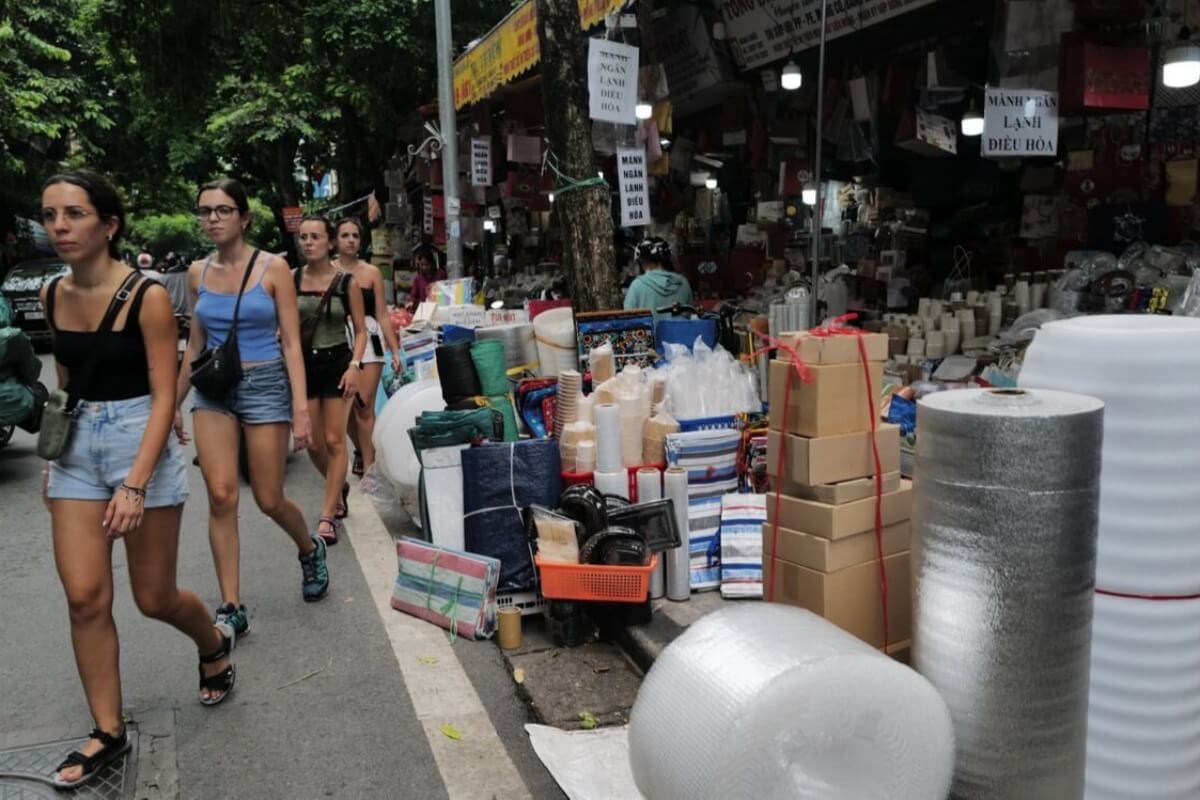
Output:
x,y
105,438
264,395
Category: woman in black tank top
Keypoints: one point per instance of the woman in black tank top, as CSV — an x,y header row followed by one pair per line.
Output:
x,y
121,476
361,425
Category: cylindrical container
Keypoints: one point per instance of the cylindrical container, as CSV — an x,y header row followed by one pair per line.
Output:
x,y
995,322
508,627
585,456
603,363
1038,295
584,410
950,336
972,297
930,323
678,560
649,487
614,483
1004,557
936,308
966,324
923,306
935,345
608,437
633,425
1143,718
916,347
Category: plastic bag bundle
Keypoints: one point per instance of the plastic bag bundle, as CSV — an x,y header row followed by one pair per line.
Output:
x,y
769,701
1142,718
707,382
554,332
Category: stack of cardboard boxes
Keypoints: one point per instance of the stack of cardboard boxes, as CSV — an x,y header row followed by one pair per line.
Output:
x,y
822,555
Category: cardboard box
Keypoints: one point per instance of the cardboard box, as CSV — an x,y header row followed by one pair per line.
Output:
x,y
825,555
835,402
840,521
833,459
839,349
844,492
901,651
849,598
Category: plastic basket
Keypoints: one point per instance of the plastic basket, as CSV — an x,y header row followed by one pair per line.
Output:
x,y
595,582
708,424
575,478
530,603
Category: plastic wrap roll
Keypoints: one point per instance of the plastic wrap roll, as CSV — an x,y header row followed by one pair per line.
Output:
x,y
770,702
1142,717
1004,548
520,347
649,487
554,332
678,560
608,437
614,483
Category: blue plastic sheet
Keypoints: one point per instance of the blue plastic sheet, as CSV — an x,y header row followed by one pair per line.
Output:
x,y
903,413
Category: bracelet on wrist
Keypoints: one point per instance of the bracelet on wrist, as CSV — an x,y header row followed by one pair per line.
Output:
x,y
134,490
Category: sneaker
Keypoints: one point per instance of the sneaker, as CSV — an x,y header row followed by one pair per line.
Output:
x,y
235,617
315,581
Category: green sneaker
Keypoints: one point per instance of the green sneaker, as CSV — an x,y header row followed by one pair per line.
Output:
x,y
315,581
235,617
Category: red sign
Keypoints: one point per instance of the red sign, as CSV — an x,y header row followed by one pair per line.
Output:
x,y
292,217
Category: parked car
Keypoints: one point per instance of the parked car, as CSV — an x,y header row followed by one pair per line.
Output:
x,y
22,285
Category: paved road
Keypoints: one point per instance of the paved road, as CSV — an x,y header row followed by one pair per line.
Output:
x,y
367,724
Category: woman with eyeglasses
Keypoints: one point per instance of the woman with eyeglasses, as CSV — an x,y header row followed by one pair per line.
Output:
x,y
269,399
121,476
381,339
330,302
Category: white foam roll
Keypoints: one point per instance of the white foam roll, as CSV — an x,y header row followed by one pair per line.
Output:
x,y
555,336
649,487
608,437
397,458
769,701
678,561
614,483
585,457
584,410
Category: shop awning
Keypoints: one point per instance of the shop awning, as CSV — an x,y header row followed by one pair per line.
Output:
x,y
511,49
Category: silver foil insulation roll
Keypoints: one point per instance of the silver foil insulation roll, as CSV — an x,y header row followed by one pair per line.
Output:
x,y
1007,490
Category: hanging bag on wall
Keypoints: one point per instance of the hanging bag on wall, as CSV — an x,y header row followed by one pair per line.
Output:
x,y
218,369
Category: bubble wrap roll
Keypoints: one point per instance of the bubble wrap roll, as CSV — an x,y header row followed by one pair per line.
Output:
x,y
767,701
1004,562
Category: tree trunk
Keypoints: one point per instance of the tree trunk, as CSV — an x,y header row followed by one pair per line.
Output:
x,y
584,215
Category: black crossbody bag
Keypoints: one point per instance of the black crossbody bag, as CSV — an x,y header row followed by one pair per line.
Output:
x,y
217,370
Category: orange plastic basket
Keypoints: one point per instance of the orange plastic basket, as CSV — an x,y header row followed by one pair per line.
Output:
x,y
595,582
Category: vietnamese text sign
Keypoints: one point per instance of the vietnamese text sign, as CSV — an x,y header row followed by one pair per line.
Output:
x,y
767,30
481,161
612,81
635,191
1020,122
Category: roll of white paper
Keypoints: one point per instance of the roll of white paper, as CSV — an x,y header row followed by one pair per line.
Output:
x,y
678,561
608,437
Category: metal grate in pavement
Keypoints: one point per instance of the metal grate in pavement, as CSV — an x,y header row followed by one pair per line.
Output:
x,y
25,772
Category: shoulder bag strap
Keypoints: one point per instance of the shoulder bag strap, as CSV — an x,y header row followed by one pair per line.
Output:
x,y
51,291
110,316
329,290
238,303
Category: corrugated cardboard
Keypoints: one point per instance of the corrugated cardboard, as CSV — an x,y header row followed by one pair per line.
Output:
x,y
838,522
901,651
835,402
833,459
849,598
840,349
844,492
825,555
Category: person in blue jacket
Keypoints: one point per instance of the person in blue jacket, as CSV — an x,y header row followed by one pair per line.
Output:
x,y
658,286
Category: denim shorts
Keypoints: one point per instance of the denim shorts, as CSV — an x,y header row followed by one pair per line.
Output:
x,y
263,396
105,439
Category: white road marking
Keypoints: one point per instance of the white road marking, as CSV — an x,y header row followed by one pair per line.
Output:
x,y
476,766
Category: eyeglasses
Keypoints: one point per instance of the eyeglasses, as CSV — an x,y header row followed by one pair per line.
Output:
x,y
72,213
222,212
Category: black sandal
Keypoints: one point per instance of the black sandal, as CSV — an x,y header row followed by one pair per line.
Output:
x,y
114,748
344,508
357,469
223,681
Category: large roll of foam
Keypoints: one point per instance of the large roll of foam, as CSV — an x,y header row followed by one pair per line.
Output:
x,y
768,701
397,458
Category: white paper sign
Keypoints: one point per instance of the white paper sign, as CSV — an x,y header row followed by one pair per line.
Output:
x,y
612,81
635,190
481,161
1020,122
762,31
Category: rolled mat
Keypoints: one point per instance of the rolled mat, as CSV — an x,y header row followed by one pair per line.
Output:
x,y
817,714
447,587
1004,566
456,371
490,366
502,403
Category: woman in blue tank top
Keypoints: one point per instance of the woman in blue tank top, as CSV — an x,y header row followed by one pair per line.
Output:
x,y
270,398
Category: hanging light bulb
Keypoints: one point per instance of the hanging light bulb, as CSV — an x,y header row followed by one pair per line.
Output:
x,y
643,110
552,197
710,183
972,121
791,78
809,197
1181,64
718,31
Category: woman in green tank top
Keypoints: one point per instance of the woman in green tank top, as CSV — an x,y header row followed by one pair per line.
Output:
x,y
329,300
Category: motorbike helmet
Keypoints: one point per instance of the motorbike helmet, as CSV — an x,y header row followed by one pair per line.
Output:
x,y
653,250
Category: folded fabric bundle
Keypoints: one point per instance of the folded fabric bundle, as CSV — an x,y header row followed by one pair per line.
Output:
x,y
451,589
446,428
499,482
710,458
742,518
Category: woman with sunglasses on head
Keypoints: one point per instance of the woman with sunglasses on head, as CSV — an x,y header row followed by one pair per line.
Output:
x,y
121,475
381,339
330,301
267,400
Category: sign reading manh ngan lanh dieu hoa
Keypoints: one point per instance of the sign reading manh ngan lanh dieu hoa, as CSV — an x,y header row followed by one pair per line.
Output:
x,y
1020,122
635,191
